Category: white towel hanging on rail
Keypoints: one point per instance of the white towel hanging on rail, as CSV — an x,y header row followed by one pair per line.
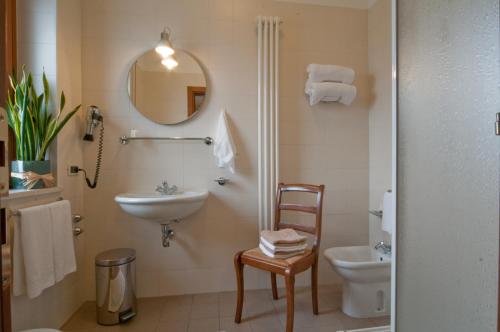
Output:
x,y
224,148
43,250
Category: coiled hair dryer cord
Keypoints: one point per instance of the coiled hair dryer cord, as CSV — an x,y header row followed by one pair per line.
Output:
x,y
92,185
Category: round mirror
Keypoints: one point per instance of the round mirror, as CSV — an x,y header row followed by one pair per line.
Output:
x,y
167,95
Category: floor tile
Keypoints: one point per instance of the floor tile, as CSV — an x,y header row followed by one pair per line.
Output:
x,y
228,325
81,320
172,326
204,325
175,313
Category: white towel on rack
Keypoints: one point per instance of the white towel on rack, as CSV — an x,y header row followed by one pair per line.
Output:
x,y
330,91
64,249
330,73
387,213
224,148
33,257
18,273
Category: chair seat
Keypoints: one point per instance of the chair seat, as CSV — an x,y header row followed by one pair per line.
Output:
x,y
258,256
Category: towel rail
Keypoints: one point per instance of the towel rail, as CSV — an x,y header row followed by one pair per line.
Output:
x,y
76,218
379,213
126,139
18,212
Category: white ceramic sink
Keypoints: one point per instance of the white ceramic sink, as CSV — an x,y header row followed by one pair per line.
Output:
x,y
162,208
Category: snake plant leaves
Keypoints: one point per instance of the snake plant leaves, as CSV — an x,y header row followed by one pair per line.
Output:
x,y
34,124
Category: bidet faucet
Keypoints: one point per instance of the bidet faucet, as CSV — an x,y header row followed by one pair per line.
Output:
x,y
386,248
165,189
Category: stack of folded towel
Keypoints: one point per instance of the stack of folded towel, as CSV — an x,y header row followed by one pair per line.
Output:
x,y
282,244
330,83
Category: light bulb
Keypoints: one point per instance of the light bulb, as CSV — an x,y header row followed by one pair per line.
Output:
x,y
169,62
164,51
164,47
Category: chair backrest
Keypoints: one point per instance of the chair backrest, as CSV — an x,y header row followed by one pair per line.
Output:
x,y
312,209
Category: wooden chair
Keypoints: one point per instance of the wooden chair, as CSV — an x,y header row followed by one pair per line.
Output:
x,y
291,266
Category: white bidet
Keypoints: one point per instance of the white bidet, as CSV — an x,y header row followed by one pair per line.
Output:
x,y
367,280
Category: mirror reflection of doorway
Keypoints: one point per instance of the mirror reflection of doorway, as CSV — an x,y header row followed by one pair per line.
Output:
x,y
195,95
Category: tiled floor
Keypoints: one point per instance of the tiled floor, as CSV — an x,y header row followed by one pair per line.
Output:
x,y
215,312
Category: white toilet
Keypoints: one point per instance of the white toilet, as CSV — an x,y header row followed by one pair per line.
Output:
x,y
367,280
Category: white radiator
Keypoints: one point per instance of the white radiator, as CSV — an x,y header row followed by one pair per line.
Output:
x,y
268,106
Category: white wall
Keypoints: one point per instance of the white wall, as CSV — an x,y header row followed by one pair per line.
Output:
x,y
326,144
448,167
50,40
380,119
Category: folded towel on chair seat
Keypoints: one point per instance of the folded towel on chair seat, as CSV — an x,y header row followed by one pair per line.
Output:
x,y
283,247
285,236
279,255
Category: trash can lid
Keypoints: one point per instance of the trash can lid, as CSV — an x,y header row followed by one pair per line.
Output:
x,y
115,257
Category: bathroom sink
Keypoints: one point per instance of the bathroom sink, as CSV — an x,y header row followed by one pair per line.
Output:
x,y
162,208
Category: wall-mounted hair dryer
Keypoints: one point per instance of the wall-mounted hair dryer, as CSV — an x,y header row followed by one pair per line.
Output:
x,y
94,118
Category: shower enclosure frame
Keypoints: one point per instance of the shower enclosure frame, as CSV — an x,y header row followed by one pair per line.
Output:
x,y
394,133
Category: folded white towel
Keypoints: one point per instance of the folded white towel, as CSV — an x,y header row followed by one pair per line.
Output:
x,y
387,214
330,73
64,249
330,91
266,252
277,248
224,148
35,245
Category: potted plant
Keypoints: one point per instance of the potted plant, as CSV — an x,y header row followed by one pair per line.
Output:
x,y
35,124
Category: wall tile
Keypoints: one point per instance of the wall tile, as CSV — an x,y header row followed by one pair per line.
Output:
x,y
320,144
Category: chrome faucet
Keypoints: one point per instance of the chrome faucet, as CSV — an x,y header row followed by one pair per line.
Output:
x,y
386,248
165,189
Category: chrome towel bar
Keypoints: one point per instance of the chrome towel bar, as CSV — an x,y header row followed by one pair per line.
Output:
x,y
76,218
18,213
126,139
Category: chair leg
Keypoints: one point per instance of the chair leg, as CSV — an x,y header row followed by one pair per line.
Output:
x,y
273,286
314,287
238,266
290,299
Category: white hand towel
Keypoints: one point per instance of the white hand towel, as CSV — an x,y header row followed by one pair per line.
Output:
x,y
330,73
330,91
62,230
36,243
224,148
387,213
18,273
